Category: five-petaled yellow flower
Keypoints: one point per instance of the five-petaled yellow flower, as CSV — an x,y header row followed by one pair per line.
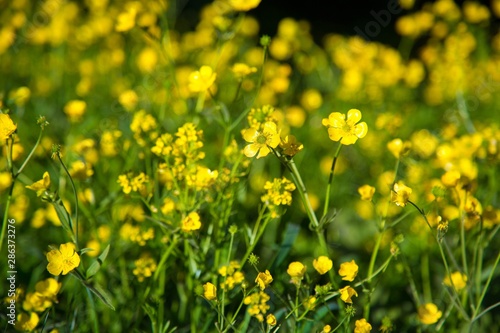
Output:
x,y
7,126
348,270
271,320
296,270
209,291
64,260
202,79
42,185
347,131
400,194
362,326
322,265
346,293
264,279
429,313
261,141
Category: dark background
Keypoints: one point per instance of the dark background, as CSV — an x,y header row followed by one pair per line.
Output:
x,y
325,16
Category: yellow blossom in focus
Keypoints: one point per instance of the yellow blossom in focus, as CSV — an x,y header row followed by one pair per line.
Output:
x,y
75,109
347,131
264,279
64,260
26,322
366,192
271,320
202,79
279,192
7,126
191,222
244,5
458,280
261,141
290,145
322,264
429,313
400,194
296,270
209,291
346,294
362,326
348,270
42,185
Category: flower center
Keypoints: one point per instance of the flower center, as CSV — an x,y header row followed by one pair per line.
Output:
x,y
261,139
347,128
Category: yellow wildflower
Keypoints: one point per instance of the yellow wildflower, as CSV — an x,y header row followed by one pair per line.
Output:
x,y
322,264
63,260
260,141
450,178
397,147
326,329
346,293
296,270
191,222
458,280
5,180
75,109
42,185
26,322
348,270
290,145
429,313
400,194
366,192
126,20
128,99
271,320
362,326
241,70
279,192
311,100
264,279
209,291
244,5
347,131
202,79
145,266
7,126
20,95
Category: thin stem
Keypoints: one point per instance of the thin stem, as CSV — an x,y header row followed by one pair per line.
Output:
x,y
224,289
330,180
30,154
485,289
76,198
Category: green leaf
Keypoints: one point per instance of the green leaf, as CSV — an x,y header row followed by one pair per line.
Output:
x,y
96,265
101,294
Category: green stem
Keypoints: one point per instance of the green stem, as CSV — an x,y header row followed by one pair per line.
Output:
x,y
221,319
485,289
330,180
373,258
29,155
76,198
5,215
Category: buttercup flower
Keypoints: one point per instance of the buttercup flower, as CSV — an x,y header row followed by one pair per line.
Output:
x,y
202,79
42,185
244,5
347,131
271,320
400,194
459,280
429,313
346,293
322,265
241,70
209,291
64,260
348,270
75,109
450,178
264,279
290,145
326,329
191,222
362,326
397,147
296,270
26,322
366,192
260,141
7,126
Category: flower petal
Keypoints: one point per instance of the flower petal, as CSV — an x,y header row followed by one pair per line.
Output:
x,y
263,151
349,139
353,116
67,250
251,149
336,119
335,134
361,129
54,268
250,134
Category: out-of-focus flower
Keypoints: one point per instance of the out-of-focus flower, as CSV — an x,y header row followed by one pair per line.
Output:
x,y
191,222
400,194
26,322
348,270
322,264
75,109
366,192
244,5
429,313
209,291
202,79
458,280
271,320
296,270
362,326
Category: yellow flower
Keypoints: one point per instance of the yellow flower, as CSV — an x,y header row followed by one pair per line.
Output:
x,y
366,192
271,320
241,70
75,109
290,145
362,326
397,147
264,279
311,100
458,280
202,79
450,178
346,293
63,260
41,185
26,322
260,141
191,222
429,313
209,291
279,192
5,180
322,265
244,5
347,131
7,126
126,20
326,329
296,270
48,287
348,270
20,95
400,194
